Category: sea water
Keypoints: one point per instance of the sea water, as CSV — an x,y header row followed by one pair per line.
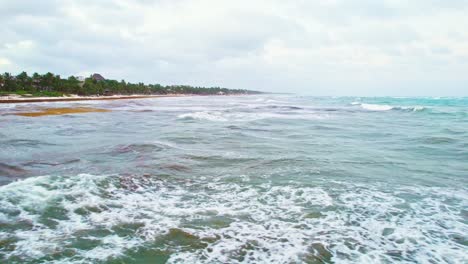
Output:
x,y
236,179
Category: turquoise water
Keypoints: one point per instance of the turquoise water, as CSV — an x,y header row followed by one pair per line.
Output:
x,y
252,179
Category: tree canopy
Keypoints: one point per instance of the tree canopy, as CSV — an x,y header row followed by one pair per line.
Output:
x,y
50,84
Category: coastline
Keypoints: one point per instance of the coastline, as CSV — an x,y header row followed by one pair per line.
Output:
x,y
15,99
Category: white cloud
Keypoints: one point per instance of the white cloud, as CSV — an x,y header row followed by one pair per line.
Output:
x,y
23,45
4,61
315,47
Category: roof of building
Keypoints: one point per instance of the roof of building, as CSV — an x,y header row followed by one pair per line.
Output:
x,y
97,77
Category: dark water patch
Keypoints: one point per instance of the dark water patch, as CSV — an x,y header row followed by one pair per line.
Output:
x,y
326,127
144,148
337,109
234,127
328,109
89,238
210,219
35,163
160,249
276,162
63,253
187,140
147,254
90,209
143,111
176,167
319,254
460,239
247,129
179,238
258,130
52,215
7,244
25,143
313,215
216,159
71,116
282,107
437,140
448,113
74,132
4,180
127,229
12,171
372,162
453,131
16,224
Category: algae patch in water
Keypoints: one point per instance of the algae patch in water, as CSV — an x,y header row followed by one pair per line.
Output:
x,y
62,111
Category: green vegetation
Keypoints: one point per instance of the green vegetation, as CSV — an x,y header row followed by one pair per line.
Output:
x,y
53,85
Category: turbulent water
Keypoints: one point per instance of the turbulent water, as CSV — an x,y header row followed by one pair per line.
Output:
x,y
249,179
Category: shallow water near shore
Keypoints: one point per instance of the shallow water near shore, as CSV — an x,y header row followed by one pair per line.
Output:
x,y
236,179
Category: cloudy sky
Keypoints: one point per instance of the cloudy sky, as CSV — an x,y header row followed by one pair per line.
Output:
x,y
326,47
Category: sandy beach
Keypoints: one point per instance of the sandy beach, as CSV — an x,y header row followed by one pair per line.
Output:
x,y
20,99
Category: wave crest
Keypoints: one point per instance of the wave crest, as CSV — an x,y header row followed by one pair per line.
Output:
x,y
228,221
384,107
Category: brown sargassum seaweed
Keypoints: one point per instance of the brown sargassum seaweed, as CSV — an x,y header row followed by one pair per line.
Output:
x,y
61,111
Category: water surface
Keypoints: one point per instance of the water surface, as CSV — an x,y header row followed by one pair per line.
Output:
x,y
248,179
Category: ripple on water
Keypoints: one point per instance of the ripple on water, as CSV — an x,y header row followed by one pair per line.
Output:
x,y
24,143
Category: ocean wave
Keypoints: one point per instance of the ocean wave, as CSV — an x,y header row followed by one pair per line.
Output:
x,y
384,107
280,107
377,107
215,116
24,143
413,108
98,218
209,116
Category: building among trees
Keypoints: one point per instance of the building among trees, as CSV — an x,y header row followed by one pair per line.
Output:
x,y
97,77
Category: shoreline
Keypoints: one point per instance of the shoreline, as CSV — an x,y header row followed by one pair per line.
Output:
x,y
81,98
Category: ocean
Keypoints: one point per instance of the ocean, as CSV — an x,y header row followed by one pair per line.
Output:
x,y
236,179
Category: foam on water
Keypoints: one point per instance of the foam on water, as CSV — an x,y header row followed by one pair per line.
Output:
x,y
383,107
347,223
218,116
209,116
376,107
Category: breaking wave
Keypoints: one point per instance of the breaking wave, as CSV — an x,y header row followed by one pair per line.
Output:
x,y
379,107
215,116
90,218
210,116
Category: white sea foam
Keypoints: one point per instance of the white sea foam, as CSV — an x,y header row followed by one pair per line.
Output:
x,y
218,116
266,223
376,107
210,116
413,108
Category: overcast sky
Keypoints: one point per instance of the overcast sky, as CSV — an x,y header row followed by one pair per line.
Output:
x,y
326,47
